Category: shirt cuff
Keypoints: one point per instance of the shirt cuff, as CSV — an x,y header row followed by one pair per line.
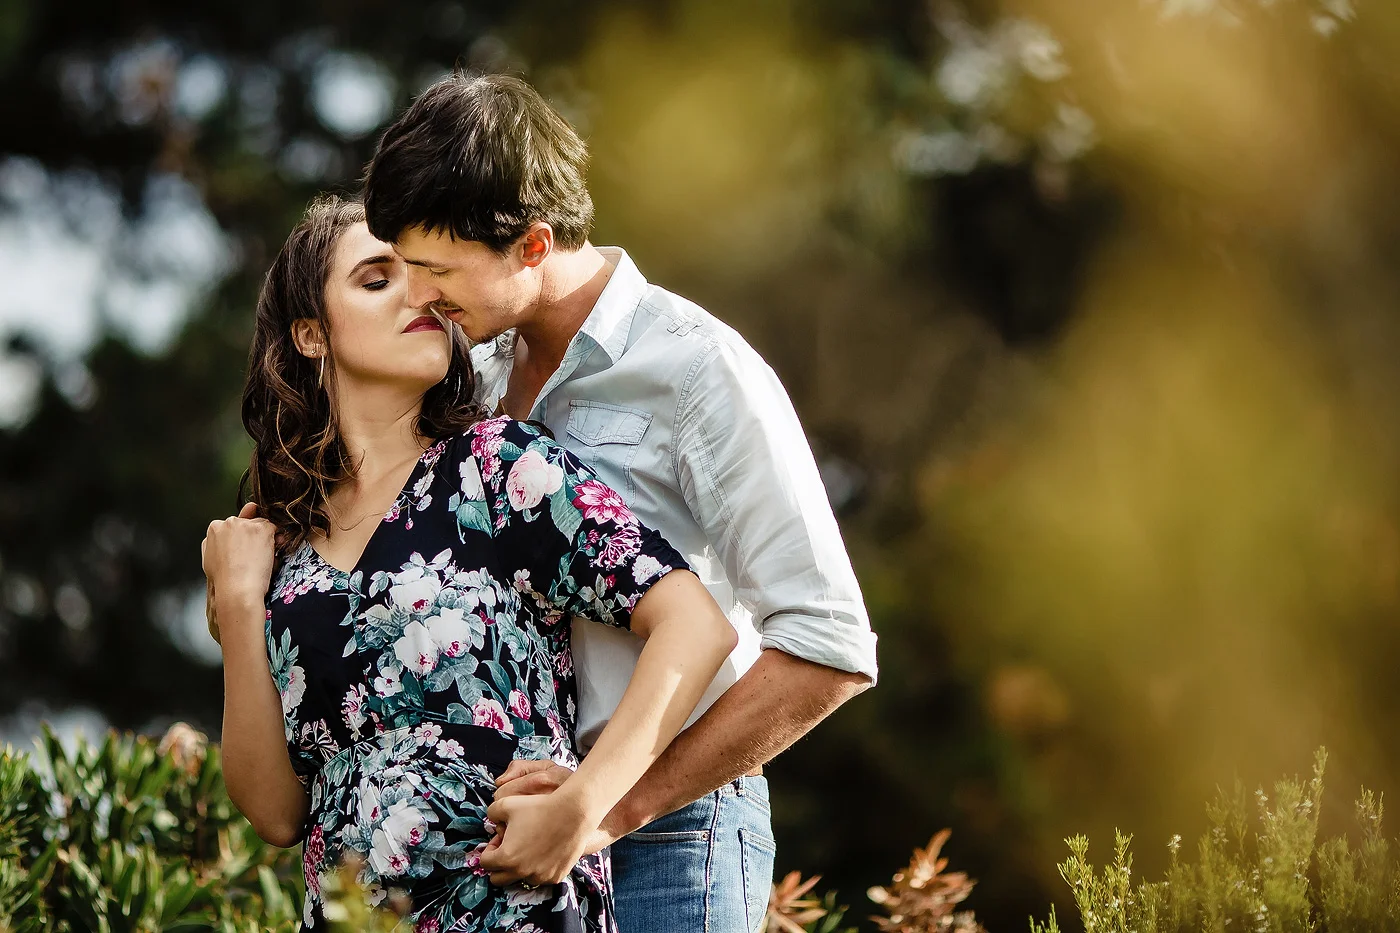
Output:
x,y
844,646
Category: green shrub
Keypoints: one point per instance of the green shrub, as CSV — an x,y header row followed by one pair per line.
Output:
x,y
1259,868
131,836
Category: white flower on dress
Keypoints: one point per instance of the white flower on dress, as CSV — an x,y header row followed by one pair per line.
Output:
x,y
386,855
489,713
416,650
296,689
450,748
367,804
415,590
531,478
405,823
472,487
388,684
428,733
352,709
450,632
645,567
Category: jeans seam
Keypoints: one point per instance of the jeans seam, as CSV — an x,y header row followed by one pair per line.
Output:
x,y
710,857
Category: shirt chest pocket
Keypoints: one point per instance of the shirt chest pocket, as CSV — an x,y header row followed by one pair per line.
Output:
x,y
606,438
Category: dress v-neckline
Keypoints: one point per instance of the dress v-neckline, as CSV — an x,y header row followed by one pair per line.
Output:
x,y
404,492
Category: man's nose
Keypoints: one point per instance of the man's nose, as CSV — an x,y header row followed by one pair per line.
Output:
x,y
420,291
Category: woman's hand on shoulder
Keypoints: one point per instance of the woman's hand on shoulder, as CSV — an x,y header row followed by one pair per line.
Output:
x,y
238,555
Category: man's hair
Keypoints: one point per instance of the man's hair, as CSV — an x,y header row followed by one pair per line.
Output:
x,y
481,158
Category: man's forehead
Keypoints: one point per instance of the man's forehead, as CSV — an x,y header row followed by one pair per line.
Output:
x,y
418,247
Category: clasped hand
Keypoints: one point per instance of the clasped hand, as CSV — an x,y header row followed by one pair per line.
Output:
x,y
543,828
238,555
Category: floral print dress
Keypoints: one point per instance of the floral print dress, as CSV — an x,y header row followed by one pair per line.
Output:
x,y
409,683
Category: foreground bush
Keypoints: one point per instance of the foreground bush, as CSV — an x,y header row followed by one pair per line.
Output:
x,y
135,836
132,836
1259,868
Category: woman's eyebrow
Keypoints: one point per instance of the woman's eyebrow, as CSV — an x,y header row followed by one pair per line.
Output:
x,y
382,259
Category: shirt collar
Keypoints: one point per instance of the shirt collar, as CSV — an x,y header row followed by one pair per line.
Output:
x,y
610,321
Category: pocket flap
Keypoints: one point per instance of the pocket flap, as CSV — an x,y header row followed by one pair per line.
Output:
x,y
595,423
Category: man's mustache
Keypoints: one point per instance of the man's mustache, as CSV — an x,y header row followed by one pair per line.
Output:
x,y
443,309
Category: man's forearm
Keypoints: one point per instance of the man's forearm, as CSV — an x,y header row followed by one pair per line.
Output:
x,y
773,705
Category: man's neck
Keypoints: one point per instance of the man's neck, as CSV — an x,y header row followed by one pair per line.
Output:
x,y
570,290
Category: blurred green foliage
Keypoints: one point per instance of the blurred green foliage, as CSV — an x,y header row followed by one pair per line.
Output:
x,y
1259,867
126,836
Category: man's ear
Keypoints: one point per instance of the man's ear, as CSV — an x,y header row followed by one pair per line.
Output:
x,y
309,338
536,244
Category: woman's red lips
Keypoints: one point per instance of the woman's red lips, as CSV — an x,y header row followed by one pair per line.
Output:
x,y
425,322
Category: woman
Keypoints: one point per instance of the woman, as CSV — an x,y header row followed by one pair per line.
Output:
x,y
395,625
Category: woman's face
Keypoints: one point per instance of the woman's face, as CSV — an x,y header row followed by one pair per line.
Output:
x,y
377,338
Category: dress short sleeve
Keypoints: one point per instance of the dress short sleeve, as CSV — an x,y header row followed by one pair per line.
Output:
x,y
567,539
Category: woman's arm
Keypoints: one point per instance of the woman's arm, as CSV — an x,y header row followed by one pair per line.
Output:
x,y
238,557
687,639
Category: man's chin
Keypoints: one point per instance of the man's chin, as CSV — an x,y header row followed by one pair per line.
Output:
x,y
483,335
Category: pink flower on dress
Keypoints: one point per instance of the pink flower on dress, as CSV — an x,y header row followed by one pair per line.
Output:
x,y
486,445
489,713
312,854
519,704
426,925
531,478
622,544
474,860
601,503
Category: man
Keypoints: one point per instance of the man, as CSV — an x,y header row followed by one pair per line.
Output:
x,y
480,186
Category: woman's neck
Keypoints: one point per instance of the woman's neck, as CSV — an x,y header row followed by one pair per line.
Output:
x,y
379,428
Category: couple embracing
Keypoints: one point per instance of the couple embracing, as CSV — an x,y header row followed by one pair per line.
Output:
x,y
537,570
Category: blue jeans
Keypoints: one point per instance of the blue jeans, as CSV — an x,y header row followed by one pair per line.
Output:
x,y
707,868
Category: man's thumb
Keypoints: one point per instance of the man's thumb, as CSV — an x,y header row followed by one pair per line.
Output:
x,y
249,510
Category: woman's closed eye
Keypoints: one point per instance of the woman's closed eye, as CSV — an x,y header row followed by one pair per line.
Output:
x,y
377,284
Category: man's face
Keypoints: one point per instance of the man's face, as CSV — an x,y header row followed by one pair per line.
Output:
x,y
484,292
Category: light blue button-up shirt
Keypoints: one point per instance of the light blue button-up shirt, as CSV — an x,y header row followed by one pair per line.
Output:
x,y
673,409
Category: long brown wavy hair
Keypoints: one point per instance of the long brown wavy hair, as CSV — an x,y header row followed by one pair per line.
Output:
x,y
298,454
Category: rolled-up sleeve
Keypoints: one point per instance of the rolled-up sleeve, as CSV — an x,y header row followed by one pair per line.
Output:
x,y
749,478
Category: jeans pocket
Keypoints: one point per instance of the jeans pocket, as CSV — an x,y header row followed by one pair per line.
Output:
x,y
757,850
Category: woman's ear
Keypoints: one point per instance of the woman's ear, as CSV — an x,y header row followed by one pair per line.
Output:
x,y
309,338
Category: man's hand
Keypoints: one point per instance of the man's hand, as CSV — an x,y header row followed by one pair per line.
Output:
x,y
211,616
